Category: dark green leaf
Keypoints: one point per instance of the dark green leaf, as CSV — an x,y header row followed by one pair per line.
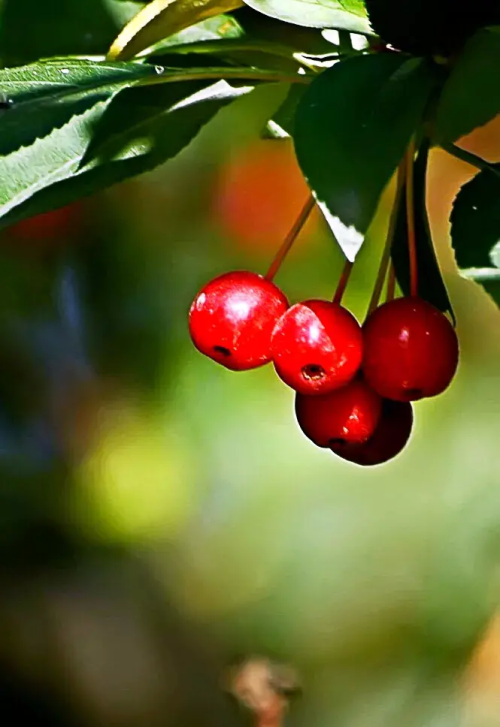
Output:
x,y
302,39
475,221
135,115
44,96
285,115
352,128
30,29
430,27
344,14
238,52
430,282
471,96
163,124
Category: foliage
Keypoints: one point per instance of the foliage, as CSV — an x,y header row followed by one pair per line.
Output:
x,y
72,126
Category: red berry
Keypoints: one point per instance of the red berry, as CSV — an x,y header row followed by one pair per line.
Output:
x,y
388,440
317,346
411,350
347,415
232,318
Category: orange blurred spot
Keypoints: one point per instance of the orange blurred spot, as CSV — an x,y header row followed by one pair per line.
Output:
x,y
481,684
259,194
447,174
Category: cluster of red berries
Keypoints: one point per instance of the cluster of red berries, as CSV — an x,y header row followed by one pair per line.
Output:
x,y
353,384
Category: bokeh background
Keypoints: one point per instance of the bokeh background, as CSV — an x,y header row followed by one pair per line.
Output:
x,y
161,517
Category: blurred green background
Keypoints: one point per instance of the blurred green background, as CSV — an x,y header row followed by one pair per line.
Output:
x,y
161,516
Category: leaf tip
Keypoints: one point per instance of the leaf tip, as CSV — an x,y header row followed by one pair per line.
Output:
x,y
348,237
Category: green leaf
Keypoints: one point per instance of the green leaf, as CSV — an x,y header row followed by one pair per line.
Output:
x,y
343,14
471,96
246,42
475,221
489,278
136,115
56,156
49,174
352,128
219,28
286,113
44,96
430,281
302,39
63,76
229,52
162,18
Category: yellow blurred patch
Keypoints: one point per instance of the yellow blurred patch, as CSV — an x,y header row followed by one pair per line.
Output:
x,y
135,483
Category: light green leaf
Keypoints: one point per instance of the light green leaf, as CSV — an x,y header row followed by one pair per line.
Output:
x,y
50,78
489,278
49,174
162,18
44,96
343,14
471,96
217,29
46,161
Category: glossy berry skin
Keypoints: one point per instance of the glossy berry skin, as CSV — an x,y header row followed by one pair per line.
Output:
x,y
346,416
232,318
317,346
388,440
411,350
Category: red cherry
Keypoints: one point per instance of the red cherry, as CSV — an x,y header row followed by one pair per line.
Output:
x,y
347,415
411,350
232,318
317,346
388,440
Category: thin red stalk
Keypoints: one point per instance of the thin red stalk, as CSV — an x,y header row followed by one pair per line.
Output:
x,y
286,246
343,280
391,283
386,254
410,217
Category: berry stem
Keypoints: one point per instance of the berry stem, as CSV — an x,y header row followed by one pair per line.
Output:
x,y
386,254
410,219
343,280
287,243
391,284
469,158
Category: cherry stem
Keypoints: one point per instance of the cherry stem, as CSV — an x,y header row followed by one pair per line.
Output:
x,y
386,254
391,284
287,243
343,280
410,219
